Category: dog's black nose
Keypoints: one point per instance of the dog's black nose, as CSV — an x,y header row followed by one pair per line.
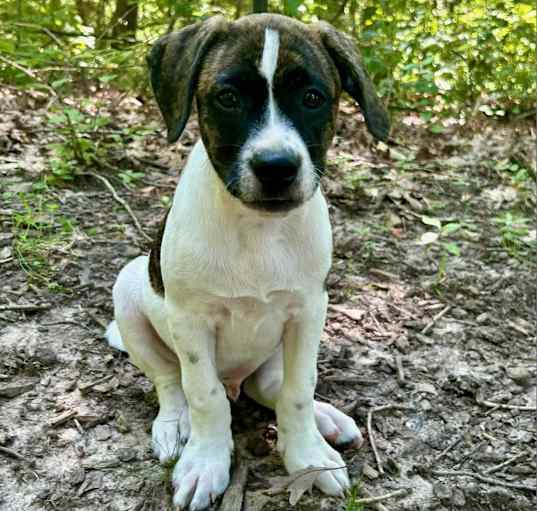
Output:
x,y
275,169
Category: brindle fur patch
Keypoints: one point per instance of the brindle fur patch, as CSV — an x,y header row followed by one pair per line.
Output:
x,y
155,272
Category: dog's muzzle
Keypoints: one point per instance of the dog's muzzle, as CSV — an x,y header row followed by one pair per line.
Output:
x,y
275,170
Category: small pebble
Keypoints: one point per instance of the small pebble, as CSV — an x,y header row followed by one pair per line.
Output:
x,y
519,375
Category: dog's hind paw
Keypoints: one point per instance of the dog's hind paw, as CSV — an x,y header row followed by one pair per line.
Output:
x,y
336,427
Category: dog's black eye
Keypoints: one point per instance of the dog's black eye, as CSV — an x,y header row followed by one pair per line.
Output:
x,y
313,99
228,99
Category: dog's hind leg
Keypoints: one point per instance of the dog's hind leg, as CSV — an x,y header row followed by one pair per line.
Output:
x,y
133,332
264,385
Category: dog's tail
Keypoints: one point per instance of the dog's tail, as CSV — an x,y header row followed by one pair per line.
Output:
x,y
114,337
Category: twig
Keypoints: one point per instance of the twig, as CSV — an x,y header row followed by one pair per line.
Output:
x,y
370,429
435,319
64,417
495,468
449,447
400,369
376,505
25,307
29,72
479,477
97,319
121,201
500,406
396,493
86,386
12,453
232,500
66,322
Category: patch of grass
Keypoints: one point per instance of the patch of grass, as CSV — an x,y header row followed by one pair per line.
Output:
x,y
515,233
39,230
167,469
351,502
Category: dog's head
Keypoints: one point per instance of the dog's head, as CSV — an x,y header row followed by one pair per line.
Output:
x,y
267,90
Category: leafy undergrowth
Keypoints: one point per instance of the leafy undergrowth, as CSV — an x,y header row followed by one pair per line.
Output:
x,y
431,310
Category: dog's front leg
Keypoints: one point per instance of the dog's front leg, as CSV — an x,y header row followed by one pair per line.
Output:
x,y
202,472
299,439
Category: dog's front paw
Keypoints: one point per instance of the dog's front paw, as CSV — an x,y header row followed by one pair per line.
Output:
x,y
169,435
336,427
201,474
300,452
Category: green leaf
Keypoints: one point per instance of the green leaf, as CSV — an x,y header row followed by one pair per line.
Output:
x,y
452,248
428,220
437,129
450,228
290,7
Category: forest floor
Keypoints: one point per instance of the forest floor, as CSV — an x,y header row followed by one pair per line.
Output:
x,y
439,328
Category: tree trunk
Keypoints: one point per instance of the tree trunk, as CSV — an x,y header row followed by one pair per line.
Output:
x,y
260,5
84,9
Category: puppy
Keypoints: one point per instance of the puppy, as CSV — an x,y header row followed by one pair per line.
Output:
x,y
233,290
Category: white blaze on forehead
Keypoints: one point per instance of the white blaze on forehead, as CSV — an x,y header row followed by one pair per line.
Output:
x,y
269,60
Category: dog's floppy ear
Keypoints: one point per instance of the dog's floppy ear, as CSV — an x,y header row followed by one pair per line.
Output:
x,y
354,79
174,63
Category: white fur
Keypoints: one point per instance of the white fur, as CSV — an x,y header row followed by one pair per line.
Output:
x,y
114,337
269,59
237,283
276,133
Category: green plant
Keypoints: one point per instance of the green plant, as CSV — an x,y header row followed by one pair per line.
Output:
x,y
130,177
351,501
79,146
38,231
514,232
440,237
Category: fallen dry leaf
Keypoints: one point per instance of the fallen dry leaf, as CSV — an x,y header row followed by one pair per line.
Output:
x,y
297,483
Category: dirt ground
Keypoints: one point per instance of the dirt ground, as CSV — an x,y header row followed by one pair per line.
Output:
x,y
445,342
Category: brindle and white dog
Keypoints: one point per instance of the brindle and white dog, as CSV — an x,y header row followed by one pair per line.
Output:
x,y
233,290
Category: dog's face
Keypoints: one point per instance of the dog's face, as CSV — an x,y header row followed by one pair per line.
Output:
x,y
267,90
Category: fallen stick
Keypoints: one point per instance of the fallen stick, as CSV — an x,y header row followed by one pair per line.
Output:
x,y
495,468
500,406
25,307
12,453
435,319
121,201
370,429
62,418
479,477
233,497
400,369
380,498
86,386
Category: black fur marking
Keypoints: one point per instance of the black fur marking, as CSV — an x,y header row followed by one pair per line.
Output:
x,y
155,272
192,357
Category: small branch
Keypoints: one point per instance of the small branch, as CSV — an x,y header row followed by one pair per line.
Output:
x,y
86,386
62,418
370,429
435,319
234,495
28,72
400,369
449,448
372,500
25,307
479,477
500,406
12,453
495,468
121,201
